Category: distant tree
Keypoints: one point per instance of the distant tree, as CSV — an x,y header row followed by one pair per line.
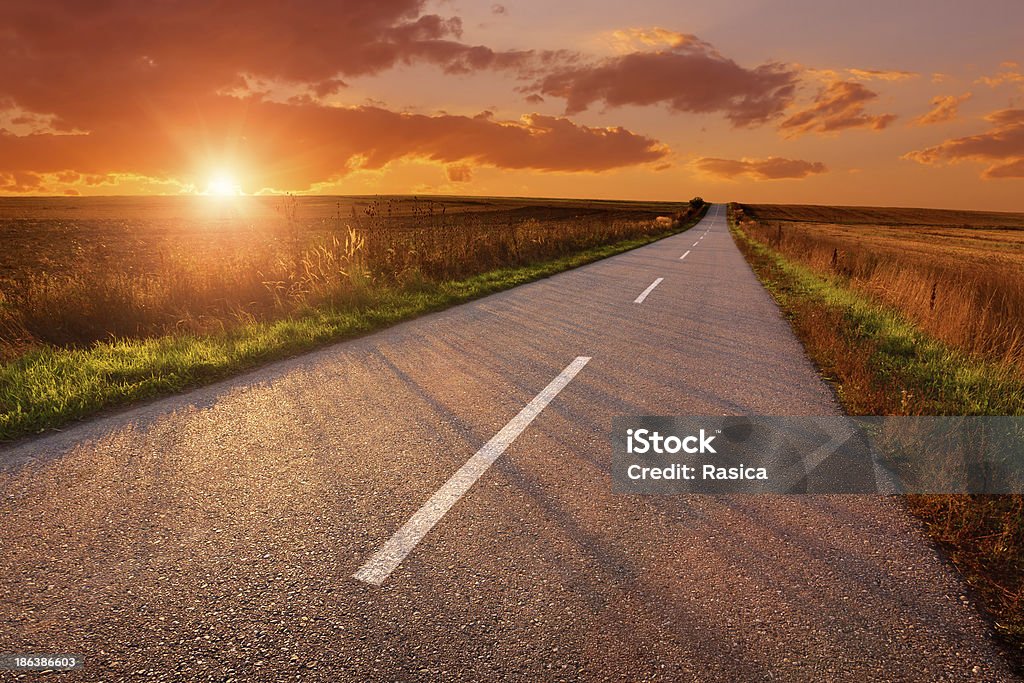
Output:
x,y
696,203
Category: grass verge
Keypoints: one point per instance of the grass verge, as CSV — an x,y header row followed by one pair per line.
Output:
x,y
51,386
881,364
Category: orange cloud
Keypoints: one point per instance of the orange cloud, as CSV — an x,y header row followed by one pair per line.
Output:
x,y
1002,146
854,74
85,67
1012,169
772,168
166,91
293,146
882,74
629,40
687,75
70,183
459,173
944,108
1009,75
837,107
21,182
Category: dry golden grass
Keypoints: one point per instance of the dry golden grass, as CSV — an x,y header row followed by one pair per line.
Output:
x,y
958,275
124,270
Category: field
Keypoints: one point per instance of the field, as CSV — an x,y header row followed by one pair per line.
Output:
x,y
73,272
958,275
913,312
109,300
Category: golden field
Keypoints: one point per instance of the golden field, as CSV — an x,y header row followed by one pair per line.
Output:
x,y
959,275
77,271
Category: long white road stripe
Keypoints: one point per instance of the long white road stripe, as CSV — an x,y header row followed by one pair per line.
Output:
x,y
695,243
650,288
684,255
386,560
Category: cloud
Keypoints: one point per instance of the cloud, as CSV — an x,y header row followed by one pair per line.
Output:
x,y
329,86
1012,169
293,146
771,168
684,74
84,67
881,74
164,91
21,181
1002,147
1010,75
627,40
459,173
839,106
830,76
854,74
944,108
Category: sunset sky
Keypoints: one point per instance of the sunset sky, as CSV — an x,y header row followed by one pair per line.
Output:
x,y
914,103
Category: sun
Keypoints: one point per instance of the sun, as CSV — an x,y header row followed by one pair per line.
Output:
x,y
223,185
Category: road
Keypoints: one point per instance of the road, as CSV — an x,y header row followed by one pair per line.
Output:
x,y
433,502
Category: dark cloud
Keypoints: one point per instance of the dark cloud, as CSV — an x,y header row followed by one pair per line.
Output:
x,y
1002,147
1011,169
839,106
87,63
687,75
329,86
771,168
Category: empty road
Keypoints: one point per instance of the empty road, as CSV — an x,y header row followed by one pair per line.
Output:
x,y
433,501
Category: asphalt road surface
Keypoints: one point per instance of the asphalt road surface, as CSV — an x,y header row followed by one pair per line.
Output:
x,y
433,502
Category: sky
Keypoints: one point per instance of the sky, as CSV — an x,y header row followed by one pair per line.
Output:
x,y
911,103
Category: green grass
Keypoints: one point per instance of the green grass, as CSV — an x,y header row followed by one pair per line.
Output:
x,y
941,380
51,386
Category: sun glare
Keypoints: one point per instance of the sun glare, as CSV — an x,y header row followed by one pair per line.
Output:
x,y
223,185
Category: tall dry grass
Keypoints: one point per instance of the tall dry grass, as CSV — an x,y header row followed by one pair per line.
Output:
x,y
971,303
270,273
